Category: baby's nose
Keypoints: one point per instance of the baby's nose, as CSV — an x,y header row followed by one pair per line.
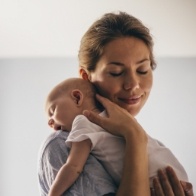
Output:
x,y
54,125
51,123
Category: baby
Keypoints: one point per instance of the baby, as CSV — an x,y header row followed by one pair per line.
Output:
x,y
64,106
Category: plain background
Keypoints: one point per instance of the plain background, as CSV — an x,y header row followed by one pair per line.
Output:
x,y
39,42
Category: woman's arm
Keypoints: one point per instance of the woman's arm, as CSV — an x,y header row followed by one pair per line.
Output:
x,y
71,170
168,185
135,171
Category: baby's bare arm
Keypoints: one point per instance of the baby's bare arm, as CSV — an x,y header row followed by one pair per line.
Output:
x,y
70,171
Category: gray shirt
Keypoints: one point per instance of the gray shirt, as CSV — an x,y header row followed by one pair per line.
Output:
x,y
93,181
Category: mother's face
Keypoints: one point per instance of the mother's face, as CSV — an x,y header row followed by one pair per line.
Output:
x,y
123,74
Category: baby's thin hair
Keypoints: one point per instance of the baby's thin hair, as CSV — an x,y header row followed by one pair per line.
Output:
x,y
77,83
66,86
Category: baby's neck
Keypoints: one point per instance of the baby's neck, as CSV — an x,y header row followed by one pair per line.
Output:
x,y
97,110
94,108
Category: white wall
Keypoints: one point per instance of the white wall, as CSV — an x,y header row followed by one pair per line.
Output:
x,y
169,115
24,86
37,28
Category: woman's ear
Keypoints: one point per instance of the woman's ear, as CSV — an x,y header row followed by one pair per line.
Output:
x,y
83,73
77,96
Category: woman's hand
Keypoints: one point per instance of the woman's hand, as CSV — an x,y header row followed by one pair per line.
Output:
x,y
119,121
135,169
168,184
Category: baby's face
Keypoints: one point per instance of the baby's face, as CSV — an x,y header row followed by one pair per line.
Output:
x,y
61,112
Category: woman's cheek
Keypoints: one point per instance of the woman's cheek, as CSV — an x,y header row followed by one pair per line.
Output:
x,y
148,84
109,92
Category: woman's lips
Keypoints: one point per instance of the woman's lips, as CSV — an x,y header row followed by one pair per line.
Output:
x,y
131,101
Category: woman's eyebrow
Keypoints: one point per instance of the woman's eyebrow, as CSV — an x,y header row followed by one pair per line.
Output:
x,y
122,64
143,60
115,63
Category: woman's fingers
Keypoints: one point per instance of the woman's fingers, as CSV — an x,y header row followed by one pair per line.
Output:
x,y
95,118
165,183
179,187
118,121
104,101
188,188
174,181
157,190
152,192
168,184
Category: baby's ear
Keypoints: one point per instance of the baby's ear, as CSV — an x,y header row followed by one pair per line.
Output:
x,y
77,96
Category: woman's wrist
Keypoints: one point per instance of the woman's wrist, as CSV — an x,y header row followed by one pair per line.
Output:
x,y
134,134
135,169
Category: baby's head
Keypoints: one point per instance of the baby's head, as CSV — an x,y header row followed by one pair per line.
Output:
x,y
67,100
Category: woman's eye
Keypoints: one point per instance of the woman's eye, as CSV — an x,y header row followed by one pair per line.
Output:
x,y
116,74
143,72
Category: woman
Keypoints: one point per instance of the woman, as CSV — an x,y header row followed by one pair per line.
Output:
x,y
116,56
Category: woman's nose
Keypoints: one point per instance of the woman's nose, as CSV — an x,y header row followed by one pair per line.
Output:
x,y
131,82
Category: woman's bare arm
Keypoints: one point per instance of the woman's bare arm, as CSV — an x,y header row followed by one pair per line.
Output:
x,y
168,185
135,171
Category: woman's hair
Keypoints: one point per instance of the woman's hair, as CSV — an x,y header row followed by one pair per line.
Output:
x,y
110,27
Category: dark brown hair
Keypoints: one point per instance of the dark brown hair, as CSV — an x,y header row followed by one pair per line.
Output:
x,y
109,27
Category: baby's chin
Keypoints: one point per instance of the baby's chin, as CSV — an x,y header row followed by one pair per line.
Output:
x,y
63,128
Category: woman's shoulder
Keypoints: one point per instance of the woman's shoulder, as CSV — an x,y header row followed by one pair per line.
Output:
x,y
152,140
53,141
